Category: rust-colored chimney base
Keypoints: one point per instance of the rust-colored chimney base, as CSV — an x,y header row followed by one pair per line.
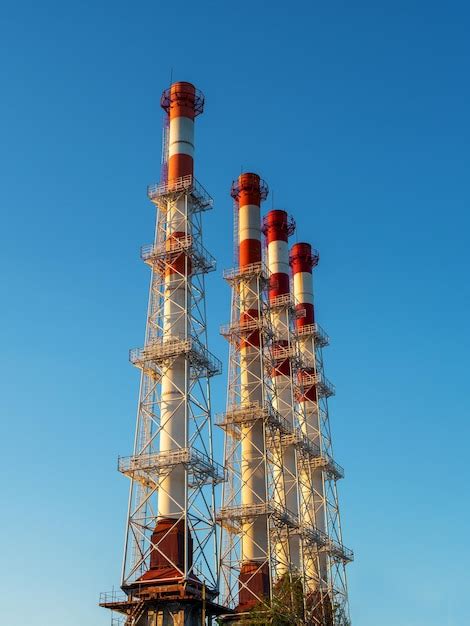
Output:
x,y
169,536
256,579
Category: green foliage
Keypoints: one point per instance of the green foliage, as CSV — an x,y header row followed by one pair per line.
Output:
x,y
286,609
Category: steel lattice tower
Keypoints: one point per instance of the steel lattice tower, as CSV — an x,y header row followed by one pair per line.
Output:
x,y
325,556
256,524
281,542
169,575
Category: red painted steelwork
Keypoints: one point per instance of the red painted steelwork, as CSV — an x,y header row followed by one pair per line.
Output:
x,y
305,314
246,190
169,536
250,339
249,252
180,165
310,395
180,262
182,99
278,285
303,258
249,189
256,578
283,366
277,226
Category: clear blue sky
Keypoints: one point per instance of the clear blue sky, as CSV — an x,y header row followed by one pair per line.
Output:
x,y
357,116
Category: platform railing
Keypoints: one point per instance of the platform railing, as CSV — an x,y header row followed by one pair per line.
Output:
x,y
195,460
325,543
282,301
316,331
246,326
238,415
164,191
324,387
239,513
164,348
165,252
258,269
117,596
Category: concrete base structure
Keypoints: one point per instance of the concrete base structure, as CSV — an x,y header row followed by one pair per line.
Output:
x,y
176,606
172,615
166,601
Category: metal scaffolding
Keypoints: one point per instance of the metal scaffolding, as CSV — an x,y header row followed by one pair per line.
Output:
x,y
276,542
326,597
161,349
286,428
269,514
149,468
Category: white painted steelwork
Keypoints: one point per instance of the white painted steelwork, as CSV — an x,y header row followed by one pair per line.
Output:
x,y
174,414
172,471
277,227
254,518
324,555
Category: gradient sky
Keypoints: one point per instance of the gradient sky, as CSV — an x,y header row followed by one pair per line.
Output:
x,y
356,114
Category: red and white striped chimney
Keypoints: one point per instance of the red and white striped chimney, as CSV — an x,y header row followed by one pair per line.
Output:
x,y
277,228
182,102
248,191
303,259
